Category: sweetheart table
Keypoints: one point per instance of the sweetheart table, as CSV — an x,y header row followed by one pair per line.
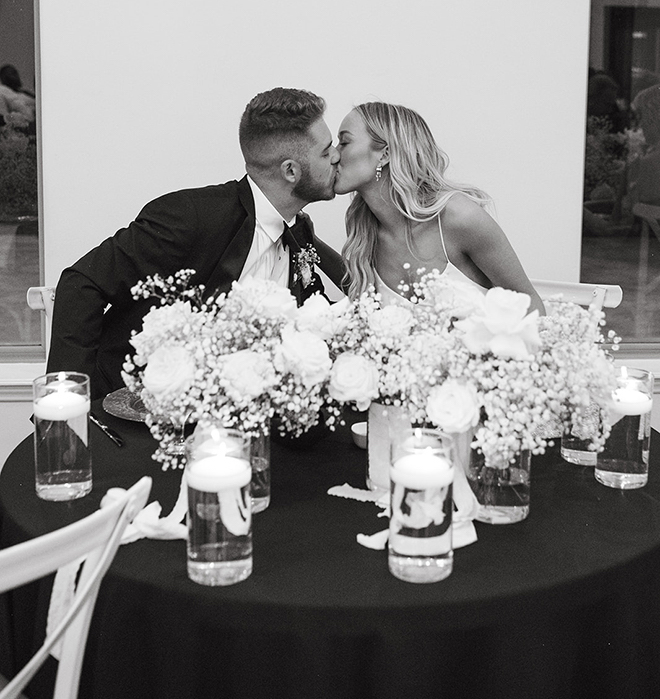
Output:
x,y
564,604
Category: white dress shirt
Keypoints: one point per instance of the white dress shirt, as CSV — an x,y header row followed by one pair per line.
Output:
x,y
267,259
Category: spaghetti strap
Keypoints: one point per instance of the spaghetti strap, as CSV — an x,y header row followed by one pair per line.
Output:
x,y
442,239
451,273
447,197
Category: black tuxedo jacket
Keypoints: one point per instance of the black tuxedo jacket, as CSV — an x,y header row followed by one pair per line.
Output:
x,y
209,229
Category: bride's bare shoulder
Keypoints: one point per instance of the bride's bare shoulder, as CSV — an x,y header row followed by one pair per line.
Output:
x,y
459,205
463,214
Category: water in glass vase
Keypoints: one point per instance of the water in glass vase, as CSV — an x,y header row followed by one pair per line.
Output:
x,y
219,523
625,461
502,493
260,462
420,537
62,457
260,484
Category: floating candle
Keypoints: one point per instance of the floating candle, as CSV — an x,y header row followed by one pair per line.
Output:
x,y
218,447
628,400
214,473
61,405
422,469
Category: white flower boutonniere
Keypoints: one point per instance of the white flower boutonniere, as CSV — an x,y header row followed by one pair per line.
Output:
x,y
304,262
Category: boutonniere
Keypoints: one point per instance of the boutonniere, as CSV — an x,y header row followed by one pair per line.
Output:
x,y
304,262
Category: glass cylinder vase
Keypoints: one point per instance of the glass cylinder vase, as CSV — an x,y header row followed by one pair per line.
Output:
x,y
260,462
386,425
502,490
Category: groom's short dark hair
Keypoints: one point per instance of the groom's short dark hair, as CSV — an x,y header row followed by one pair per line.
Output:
x,y
275,123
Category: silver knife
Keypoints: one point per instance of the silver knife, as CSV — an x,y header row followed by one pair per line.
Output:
x,y
107,430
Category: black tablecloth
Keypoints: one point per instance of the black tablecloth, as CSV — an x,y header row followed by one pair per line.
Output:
x,y
564,604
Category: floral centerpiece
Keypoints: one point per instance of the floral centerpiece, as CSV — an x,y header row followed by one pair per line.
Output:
x,y
482,366
238,359
468,363
454,357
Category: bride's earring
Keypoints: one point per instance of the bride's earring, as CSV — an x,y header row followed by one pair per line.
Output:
x,y
379,172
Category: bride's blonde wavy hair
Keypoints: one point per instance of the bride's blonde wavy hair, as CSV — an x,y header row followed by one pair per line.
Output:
x,y
416,185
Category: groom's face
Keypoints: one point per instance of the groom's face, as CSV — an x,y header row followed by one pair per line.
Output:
x,y
319,166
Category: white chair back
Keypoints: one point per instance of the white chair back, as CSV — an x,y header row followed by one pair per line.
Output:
x,y
97,538
41,298
600,295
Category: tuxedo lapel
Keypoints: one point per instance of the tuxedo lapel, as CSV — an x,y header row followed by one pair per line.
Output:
x,y
230,264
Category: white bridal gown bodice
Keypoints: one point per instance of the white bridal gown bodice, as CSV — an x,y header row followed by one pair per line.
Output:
x,y
451,273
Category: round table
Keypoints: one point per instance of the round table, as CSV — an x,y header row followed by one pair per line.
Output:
x,y
563,604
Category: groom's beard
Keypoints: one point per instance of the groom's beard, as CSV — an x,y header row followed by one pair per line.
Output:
x,y
311,190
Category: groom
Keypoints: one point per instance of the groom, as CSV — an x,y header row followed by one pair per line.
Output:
x,y
224,232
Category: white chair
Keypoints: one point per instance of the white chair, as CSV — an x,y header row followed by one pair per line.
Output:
x,y
41,298
97,538
600,295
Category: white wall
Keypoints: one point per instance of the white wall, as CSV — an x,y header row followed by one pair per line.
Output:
x,y
140,97
16,425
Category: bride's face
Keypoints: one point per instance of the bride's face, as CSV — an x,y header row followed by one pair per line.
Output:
x,y
358,157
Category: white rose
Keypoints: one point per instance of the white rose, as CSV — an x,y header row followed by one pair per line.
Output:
x,y
392,320
279,301
466,299
354,378
267,296
342,306
159,321
247,374
453,406
313,315
169,369
504,309
503,327
305,354
322,318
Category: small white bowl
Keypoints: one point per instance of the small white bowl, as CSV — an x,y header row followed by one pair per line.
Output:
x,y
359,430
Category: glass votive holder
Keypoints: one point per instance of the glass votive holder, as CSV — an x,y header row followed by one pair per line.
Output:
x,y
218,476
421,504
577,438
260,463
62,457
624,462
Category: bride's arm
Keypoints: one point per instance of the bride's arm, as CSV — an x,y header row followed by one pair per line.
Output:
x,y
479,247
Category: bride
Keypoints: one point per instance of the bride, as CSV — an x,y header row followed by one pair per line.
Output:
x,y
405,216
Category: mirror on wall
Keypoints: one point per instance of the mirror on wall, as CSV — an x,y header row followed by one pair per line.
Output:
x,y
20,327
621,202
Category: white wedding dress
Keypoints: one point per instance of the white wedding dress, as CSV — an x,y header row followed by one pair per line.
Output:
x,y
450,273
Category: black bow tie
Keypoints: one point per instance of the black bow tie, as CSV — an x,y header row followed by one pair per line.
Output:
x,y
288,236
